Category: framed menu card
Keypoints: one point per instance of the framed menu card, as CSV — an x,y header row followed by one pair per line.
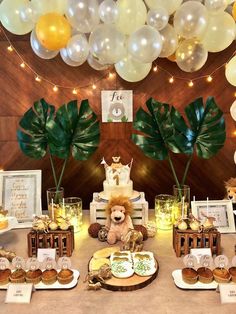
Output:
x,y
221,210
20,193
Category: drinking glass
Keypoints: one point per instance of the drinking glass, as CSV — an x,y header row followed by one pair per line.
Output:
x,y
73,212
164,211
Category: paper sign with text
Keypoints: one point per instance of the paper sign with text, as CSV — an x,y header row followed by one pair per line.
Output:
x,y
19,293
45,253
227,293
200,252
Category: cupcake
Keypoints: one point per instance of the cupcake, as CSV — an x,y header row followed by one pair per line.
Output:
x,y
49,276
205,275
18,276
189,275
65,276
33,276
4,276
232,271
221,275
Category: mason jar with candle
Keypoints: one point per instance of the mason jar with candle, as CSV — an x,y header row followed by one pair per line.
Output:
x,y
164,204
73,211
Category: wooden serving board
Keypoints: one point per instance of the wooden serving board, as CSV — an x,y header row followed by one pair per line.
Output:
x,y
134,282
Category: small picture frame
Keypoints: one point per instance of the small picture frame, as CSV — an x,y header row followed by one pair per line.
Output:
x,y
20,193
221,210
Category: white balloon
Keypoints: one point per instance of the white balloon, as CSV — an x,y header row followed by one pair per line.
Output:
x,y
158,18
131,70
170,5
145,44
83,14
66,58
47,6
108,11
169,41
78,48
28,13
39,50
215,6
233,110
95,64
107,44
191,19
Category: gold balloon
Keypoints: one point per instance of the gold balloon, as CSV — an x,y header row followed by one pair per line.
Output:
x,y
234,11
53,31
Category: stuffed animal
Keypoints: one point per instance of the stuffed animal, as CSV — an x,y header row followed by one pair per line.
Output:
x,y
230,186
118,218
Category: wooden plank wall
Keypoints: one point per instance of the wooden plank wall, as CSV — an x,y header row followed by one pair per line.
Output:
x,y
18,91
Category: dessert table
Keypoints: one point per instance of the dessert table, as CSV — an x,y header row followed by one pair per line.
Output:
x,y
161,296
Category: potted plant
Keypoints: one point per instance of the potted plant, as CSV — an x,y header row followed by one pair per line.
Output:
x,y
162,132
67,131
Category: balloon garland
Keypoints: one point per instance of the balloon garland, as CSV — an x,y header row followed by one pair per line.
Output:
x,y
130,35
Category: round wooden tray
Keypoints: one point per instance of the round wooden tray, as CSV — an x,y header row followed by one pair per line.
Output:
x,y
134,282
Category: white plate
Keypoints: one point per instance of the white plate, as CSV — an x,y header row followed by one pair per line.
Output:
x,y
12,222
177,276
56,285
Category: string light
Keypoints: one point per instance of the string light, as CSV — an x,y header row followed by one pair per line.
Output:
x,y
156,67
55,88
190,83
9,48
209,78
37,79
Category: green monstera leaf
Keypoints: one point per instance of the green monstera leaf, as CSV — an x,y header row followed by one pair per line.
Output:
x,y
74,131
207,126
32,135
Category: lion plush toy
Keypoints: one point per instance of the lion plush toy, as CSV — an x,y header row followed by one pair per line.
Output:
x,y
230,186
118,221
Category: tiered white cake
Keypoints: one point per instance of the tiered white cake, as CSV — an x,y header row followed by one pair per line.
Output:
x,y
117,179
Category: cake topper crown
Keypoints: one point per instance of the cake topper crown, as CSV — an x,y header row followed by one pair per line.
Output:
x,y
117,173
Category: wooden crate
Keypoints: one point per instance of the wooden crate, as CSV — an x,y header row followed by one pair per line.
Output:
x,y
184,241
139,216
62,241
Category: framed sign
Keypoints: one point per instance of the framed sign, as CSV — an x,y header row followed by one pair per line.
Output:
x,y
221,210
20,193
117,105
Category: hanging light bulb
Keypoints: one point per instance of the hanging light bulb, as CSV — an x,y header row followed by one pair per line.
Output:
x,y
55,88
37,79
9,48
74,91
94,86
190,84
22,65
111,75
209,78
171,79
155,68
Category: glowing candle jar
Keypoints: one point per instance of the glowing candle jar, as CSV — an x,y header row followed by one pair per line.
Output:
x,y
164,211
73,212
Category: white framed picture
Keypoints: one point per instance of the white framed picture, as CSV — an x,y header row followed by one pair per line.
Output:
x,y
221,210
20,193
117,105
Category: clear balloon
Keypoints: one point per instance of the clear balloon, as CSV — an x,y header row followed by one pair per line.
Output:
x,y
145,44
42,7
53,31
27,13
170,5
83,14
39,50
191,19
191,55
215,6
78,48
169,41
107,44
158,18
220,32
95,64
230,71
233,110
132,15
66,58
108,11
11,19
132,70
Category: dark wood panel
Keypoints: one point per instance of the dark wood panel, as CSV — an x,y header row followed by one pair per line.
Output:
x,y
19,90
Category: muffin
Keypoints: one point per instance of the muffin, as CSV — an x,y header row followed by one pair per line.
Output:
x,y
205,275
221,275
65,276
33,276
18,276
4,276
49,276
232,271
189,275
